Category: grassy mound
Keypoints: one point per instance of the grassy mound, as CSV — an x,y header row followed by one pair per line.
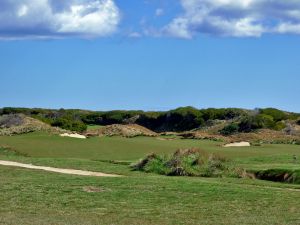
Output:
x,y
130,130
188,162
14,124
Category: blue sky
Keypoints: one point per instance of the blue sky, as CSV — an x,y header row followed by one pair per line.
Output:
x,y
151,55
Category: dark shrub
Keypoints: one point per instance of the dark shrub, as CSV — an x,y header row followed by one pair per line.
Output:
x,y
184,118
251,123
279,126
265,121
180,119
221,114
67,124
230,129
248,124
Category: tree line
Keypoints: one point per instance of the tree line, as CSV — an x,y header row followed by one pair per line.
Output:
x,y
180,119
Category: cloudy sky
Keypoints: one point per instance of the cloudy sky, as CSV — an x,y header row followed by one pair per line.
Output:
x,y
150,54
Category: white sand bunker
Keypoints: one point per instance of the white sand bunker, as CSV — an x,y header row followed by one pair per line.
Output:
x,y
238,144
73,135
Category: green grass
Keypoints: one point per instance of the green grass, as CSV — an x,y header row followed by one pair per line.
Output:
x,y
93,127
36,197
119,148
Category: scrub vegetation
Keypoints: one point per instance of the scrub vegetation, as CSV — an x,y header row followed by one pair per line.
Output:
x,y
180,119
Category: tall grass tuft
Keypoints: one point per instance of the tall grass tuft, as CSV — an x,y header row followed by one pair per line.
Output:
x,y
188,162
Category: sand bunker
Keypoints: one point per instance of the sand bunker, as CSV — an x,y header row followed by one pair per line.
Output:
x,y
238,144
73,135
58,170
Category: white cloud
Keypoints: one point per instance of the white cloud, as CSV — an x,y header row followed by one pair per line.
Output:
x,y
238,18
52,18
289,28
159,12
135,35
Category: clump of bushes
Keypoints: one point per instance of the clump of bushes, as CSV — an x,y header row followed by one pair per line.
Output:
x,y
276,114
230,129
69,124
251,123
188,162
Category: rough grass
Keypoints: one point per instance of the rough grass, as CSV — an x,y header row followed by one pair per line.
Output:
x,y
93,127
188,162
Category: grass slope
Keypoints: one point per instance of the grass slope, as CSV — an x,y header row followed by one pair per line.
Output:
x,y
36,197
129,149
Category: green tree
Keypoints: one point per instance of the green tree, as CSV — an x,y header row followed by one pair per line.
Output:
x,y
277,114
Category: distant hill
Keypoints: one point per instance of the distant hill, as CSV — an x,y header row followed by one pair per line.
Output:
x,y
223,122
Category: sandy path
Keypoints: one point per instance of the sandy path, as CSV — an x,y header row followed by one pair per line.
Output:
x,y
57,170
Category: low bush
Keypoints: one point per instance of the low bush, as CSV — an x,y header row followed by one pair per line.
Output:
x,y
188,162
251,123
230,129
276,114
73,125
279,126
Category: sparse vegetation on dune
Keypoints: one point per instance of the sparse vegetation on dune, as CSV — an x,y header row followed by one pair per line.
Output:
x,y
229,125
129,130
14,124
178,120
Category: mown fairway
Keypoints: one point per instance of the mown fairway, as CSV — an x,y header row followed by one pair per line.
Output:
x,y
127,149
37,197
